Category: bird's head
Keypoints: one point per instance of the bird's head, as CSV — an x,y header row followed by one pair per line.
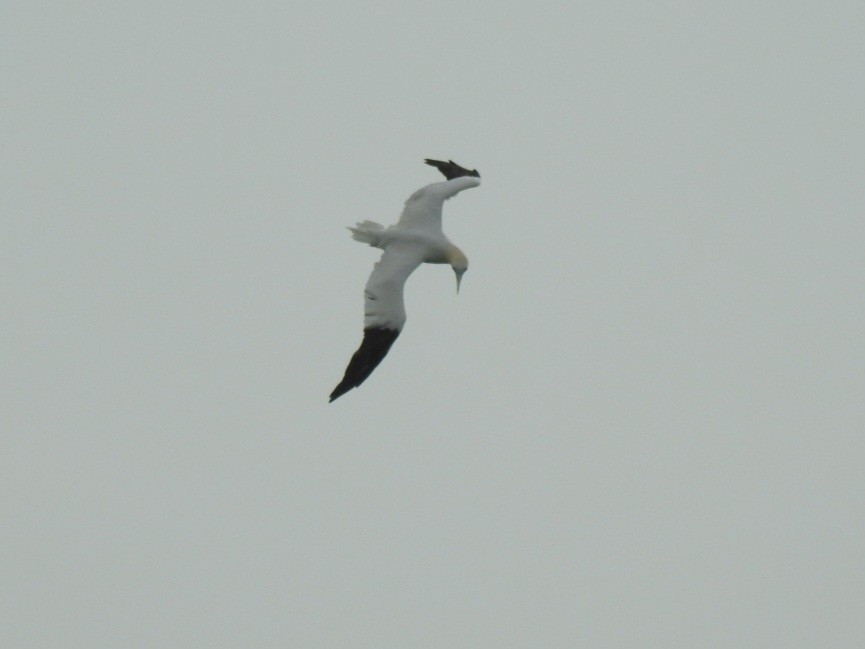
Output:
x,y
460,263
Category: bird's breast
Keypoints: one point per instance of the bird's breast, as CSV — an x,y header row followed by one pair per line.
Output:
x,y
431,247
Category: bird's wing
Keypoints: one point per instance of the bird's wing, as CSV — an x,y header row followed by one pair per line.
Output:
x,y
451,169
384,312
383,295
423,209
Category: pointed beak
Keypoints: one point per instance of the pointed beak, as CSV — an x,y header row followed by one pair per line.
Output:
x,y
459,279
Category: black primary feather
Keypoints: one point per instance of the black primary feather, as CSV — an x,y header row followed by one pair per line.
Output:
x,y
451,169
375,346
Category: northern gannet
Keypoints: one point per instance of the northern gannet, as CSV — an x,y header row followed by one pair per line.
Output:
x,y
415,239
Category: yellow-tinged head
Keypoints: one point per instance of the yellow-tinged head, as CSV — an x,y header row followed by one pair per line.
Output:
x,y
459,262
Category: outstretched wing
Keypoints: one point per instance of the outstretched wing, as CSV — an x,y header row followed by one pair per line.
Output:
x,y
451,169
384,313
423,209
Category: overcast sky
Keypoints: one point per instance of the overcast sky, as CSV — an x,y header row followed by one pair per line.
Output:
x,y
640,423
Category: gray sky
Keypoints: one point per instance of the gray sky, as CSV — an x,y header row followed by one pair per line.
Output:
x,y
638,425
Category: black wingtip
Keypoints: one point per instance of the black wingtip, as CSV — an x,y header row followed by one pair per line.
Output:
x,y
451,169
374,347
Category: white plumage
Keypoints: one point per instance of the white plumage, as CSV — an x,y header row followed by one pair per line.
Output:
x,y
415,239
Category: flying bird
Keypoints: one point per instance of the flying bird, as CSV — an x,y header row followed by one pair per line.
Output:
x,y
415,239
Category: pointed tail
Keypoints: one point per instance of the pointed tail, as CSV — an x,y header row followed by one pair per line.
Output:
x,y
368,232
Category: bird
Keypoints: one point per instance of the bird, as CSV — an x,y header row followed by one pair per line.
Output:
x,y
416,238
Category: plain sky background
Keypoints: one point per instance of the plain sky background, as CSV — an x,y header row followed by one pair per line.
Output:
x,y
640,424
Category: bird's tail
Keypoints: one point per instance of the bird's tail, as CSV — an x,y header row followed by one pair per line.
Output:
x,y
368,232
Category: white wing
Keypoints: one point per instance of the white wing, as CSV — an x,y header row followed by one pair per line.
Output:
x,y
383,305
423,209
384,312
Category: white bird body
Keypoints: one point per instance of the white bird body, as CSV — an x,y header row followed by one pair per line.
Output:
x,y
415,239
